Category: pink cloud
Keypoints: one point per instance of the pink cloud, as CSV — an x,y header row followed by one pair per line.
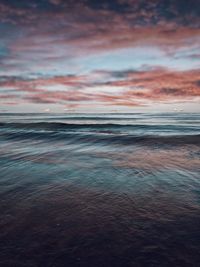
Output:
x,y
139,88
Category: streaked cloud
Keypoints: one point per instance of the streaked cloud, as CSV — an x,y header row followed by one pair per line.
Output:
x,y
125,88
58,52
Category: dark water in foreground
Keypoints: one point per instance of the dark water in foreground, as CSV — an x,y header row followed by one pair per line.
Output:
x,y
100,190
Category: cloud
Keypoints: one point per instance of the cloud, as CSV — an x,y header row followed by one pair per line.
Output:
x,y
48,34
55,2
160,84
136,87
45,44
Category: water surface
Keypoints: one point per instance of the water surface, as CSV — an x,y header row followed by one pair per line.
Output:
x,y
100,190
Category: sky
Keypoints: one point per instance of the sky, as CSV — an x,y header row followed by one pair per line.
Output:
x,y
99,56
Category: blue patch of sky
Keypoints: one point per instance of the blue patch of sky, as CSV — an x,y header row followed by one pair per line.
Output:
x,y
135,58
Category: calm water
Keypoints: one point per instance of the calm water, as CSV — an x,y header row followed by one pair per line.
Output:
x,y
100,190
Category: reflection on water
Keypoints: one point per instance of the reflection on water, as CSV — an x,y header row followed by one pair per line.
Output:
x,y
100,190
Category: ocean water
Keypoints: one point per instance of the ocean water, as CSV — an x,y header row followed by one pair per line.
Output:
x,y
92,190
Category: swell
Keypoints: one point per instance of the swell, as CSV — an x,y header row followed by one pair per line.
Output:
x,y
56,126
103,138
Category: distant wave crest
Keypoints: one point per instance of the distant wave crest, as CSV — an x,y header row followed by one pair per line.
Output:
x,y
96,133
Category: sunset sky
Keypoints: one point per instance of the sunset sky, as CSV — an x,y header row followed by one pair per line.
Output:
x,y
99,56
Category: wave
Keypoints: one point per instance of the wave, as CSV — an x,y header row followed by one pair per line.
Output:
x,y
103,138
66,126
61,125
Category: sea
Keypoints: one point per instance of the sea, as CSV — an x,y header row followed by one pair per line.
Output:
x,y
100,190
